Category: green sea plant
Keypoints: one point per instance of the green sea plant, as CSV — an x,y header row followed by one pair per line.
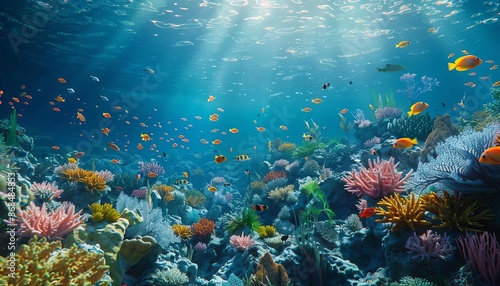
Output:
x,y
344,125
103,212
248,218
312,190
313,130
304,150
6,164
11,139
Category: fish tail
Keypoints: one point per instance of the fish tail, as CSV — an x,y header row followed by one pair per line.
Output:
x,y
451,66
379,69
414,141
397,46
410,113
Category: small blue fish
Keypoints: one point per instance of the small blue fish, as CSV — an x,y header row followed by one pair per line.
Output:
x,y
103,98
94,78
70,90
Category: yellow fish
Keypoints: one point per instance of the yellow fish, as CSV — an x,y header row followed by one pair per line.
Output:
x,y
72,160
403,44
417,108
465,63
404,143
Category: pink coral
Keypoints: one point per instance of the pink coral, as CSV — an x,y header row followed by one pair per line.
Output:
x,y
379,179
53,225
241,242
140,193
46,190
106,175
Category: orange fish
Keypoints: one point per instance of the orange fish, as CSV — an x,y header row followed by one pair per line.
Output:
x,y
59,98
29,97
216,142
491,156
344,111
137,177
306,109
145,137
61,80
56,109
23,86
56,147
175,145
261,129
283,127
15,99
51,103
465,63
1,92
317,100
263,109
219,159
404,143
115,161
259,208
105,131
107,115
113,146
494,67
234,130
80,116
417,108
117,107
152,175
496,83
211,98
211,189
367,212
185,140
19,115
451,55
185,174
79,155
213,118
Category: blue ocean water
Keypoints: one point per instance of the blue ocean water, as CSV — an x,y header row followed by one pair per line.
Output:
x,y
157,63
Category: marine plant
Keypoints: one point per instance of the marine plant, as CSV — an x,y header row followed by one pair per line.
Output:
x,y
286,147
401,211
165,191
457,166
482,252
103,212
284,194
465,214
313,191
92,181
6,164
414,281
182,231
247,218
380,101
11,138
379,179
305,150
429,245
241,242
170,277
128,181
419,126
46,263
266,231
53,225
344,125
195,198
313,130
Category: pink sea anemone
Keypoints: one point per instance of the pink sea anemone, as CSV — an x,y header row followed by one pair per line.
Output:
x,y
241,242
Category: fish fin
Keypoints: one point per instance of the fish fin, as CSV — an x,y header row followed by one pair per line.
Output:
x,y
410,113
397,45
451,66
414,141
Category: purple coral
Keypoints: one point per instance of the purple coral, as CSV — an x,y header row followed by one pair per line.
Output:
x,y
218,180
140,193
387,113
482,252
106,175
429,245
412,91
372,142
360,119
151,167
53,225
280,164
200,247
379,179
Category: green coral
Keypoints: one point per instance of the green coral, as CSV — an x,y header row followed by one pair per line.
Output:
x,y
104,212
248,218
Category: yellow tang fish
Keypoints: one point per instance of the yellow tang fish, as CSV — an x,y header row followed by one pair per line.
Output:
x,y
417,108
404,143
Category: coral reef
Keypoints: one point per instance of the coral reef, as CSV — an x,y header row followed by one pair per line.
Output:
x,y
402,212
284,194
171,277
103,212
45,263
419,126
182,231
266,231
443,128
274,175
269,272
412,91
92,181
203,228
429,245
379,179
247,219
241,242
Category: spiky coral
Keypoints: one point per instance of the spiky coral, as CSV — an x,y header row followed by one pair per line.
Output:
x,y
165,191
104,212
403,212
455,212
53,225
91,180
182,231
273,175
42,263
194,198
379,179
204,227
241,242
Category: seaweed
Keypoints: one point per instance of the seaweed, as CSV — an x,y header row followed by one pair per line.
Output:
x,y
11,138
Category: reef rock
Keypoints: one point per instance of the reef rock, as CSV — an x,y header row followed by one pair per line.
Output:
x,y
443,128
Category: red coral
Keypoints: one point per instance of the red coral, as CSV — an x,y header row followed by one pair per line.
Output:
x,y
204,227
273,175
379,179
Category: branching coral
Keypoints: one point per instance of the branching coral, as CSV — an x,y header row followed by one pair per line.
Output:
x,y
429,245
165,192
91,180
53,225
182,231
195,198
204,227
286,147
273,175
104,212
379,179
266,231
455,212
403,212
42,263
283,194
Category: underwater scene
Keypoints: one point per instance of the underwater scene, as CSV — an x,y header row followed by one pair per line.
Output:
x,y
249,142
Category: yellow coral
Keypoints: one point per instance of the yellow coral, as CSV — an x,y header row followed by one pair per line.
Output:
x,y
105,211
165,191
266,231
91,180
457,211
281,194
182,231
195,199
401,211
257,185
42,263
286,147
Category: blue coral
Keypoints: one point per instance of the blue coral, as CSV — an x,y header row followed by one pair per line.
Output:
x,y
457,167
